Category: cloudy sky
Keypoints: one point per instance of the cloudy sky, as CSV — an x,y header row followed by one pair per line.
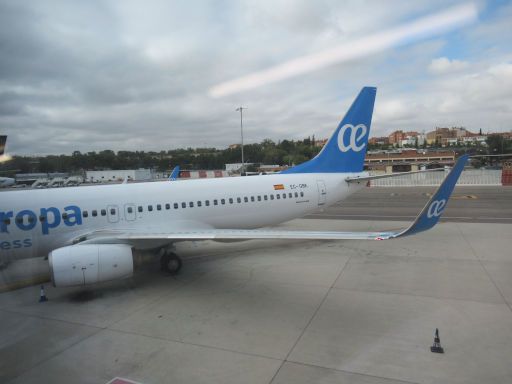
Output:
x,y
137,75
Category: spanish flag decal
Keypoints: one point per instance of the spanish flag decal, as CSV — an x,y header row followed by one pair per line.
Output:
x,y
278,187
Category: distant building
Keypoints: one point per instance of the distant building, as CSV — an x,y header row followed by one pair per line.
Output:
x,y
444,136
236,167
271,168
118,175
396,137
407,160
321,142
378,140
234,146
202,174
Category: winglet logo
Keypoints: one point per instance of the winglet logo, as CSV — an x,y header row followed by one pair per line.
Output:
x,y
356,137
436,208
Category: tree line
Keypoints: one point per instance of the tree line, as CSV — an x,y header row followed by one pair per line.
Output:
x,y
285,152
267,152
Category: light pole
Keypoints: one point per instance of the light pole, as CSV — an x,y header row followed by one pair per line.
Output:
x,y
241,109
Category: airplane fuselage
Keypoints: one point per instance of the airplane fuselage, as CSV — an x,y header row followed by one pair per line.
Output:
x,y
34,222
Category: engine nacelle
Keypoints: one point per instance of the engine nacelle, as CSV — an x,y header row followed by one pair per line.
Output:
x,y
90,263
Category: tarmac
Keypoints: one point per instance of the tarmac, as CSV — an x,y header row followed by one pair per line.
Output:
x,y
281,312
469,204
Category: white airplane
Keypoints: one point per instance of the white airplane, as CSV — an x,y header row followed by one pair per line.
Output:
x,y
89,232
6,182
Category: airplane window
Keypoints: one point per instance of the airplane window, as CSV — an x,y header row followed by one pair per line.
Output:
x,y
31,219
129,209
175,205
296,194
112,211
167,206
207,203
150,208
223,201
183,205
230,200
95,212
85,214
64,215
302,194
140,208
252,198
238,200
158,207
246,199
271,197
290,195
284,195
19,220
199,203
215,202
191,204
7,221
265,197
259,198
43,218
278,196
103,212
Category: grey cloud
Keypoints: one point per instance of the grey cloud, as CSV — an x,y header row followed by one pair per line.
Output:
x,y
127,75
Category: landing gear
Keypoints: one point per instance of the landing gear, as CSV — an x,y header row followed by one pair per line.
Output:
x,y
170,263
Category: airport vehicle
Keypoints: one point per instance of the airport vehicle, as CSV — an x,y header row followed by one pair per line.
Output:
x,y
89,232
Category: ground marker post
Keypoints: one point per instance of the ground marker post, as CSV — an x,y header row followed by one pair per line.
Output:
x,y
42,296
436,347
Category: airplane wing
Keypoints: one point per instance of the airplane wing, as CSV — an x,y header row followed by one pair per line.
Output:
x,y
375,177
428,217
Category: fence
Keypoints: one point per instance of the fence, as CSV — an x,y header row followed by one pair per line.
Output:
x,y
468,177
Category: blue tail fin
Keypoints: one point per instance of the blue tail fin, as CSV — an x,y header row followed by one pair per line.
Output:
x,y
175,173
346,149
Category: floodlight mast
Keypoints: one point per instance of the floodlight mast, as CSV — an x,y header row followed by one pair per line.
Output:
x,y
242,136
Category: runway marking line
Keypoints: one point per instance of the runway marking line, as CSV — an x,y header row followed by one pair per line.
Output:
x,y
120,380
458,197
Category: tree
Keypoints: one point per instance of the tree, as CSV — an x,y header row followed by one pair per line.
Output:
x,y
497,144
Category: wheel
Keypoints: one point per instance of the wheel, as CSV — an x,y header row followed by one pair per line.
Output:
x,y
170,262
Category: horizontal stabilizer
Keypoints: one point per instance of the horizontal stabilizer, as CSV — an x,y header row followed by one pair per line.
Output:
x,y
375,177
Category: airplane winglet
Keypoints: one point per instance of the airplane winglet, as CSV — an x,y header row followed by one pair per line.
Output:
x,y
431,213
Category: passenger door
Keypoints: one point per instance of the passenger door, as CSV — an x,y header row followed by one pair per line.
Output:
x,y
322,192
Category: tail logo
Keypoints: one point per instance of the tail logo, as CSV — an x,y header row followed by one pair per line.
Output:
x,y
356,138
436,208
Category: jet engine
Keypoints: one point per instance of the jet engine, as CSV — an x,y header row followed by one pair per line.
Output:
x,y
90,263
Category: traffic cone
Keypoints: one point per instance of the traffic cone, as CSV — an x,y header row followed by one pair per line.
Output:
x,y
42,297
436,348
